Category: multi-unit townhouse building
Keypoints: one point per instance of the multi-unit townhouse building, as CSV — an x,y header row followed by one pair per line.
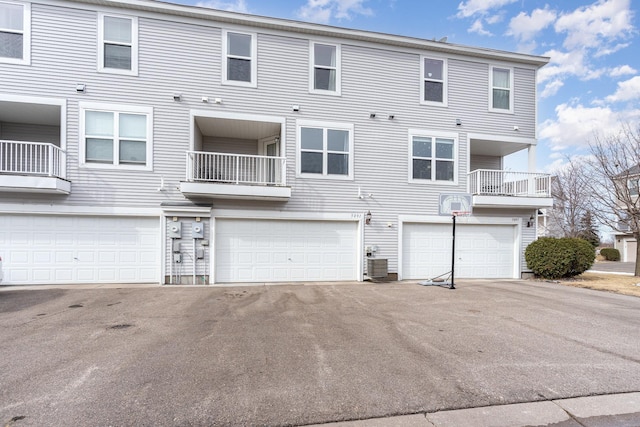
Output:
x,y
143,141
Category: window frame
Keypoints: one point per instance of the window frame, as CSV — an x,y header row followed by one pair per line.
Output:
x,y
325,126
312,68
423,79
26,34
116,109
510,110
254,59
134,45
434,135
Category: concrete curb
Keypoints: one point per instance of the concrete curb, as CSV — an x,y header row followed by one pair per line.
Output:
x,y
592,411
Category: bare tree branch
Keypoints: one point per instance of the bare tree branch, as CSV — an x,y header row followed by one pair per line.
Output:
x,y
611,177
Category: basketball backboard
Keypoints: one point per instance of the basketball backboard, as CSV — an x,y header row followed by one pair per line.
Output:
x,y
454,202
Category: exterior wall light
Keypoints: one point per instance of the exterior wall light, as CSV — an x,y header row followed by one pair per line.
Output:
x,y
367,218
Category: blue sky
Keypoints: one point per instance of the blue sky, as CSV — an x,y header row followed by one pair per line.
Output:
x,y
592,83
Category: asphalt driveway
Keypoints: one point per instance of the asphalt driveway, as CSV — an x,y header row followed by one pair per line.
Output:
x,y
295,355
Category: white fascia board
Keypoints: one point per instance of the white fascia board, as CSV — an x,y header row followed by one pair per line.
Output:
x,y
318,30
37,209
303,216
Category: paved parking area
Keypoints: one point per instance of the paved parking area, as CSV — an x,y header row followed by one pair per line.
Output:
x,y
616,267
296,355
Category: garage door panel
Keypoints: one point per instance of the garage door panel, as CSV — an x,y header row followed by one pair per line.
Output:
x,y
482,251
285,250
68,249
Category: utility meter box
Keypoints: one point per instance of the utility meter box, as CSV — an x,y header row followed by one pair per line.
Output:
x,y
197,230
175,230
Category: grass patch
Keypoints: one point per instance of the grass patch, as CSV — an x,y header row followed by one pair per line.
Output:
x,y
617,283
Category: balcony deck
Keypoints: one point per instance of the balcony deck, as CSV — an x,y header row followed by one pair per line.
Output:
x,y
235,176
496,188
32,167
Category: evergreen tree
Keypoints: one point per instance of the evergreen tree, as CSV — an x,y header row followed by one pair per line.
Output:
x,y
587,230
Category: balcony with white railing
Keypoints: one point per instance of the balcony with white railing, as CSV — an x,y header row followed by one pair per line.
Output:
x,y
496,188
235,176
32,167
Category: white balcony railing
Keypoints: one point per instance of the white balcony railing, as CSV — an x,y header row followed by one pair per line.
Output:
x,y
506,183
31,158
235,168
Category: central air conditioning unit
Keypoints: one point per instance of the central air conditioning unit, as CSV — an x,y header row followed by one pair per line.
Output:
x,y
377,268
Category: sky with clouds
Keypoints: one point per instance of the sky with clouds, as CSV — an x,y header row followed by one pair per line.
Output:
x,y
591,84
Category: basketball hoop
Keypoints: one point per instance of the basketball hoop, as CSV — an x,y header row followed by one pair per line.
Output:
x,y
461,214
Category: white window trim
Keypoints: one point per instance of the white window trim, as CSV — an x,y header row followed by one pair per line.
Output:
x,y
434,134
26,35
254,59
134,45
445,76
491,87
115,108
312,65
324,125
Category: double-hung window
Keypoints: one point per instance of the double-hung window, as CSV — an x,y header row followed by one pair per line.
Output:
x,y
15,32
239,64
118,49
434,81
324,72
432,157
325,150
501,96
633,185
116,136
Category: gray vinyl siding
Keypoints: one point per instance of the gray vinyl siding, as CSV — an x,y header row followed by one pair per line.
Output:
x,y
185,58
230,145
29,132
485,162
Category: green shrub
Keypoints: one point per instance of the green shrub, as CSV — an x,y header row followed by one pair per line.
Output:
x,y
610,254
584,255
552,258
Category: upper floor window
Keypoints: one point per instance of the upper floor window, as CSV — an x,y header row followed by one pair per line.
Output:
x,y
15,32
501,96
325,149
118,50
116,136
633,185
239,65
434,81
432,157
325,68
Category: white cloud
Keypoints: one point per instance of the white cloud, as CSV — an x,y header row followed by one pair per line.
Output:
x,y
596,25
323,11
563,64
623,70
231,6
575,124
525,27
627,90
478,28
480,7
551,88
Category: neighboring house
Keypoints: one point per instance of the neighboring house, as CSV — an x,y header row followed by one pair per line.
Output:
x,y
623,240
142,141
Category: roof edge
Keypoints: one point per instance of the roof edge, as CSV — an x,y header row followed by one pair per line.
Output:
x,y
319,30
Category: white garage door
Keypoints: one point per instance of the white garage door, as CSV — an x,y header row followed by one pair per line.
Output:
x,y
482,251
632,247
70,249
285,250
